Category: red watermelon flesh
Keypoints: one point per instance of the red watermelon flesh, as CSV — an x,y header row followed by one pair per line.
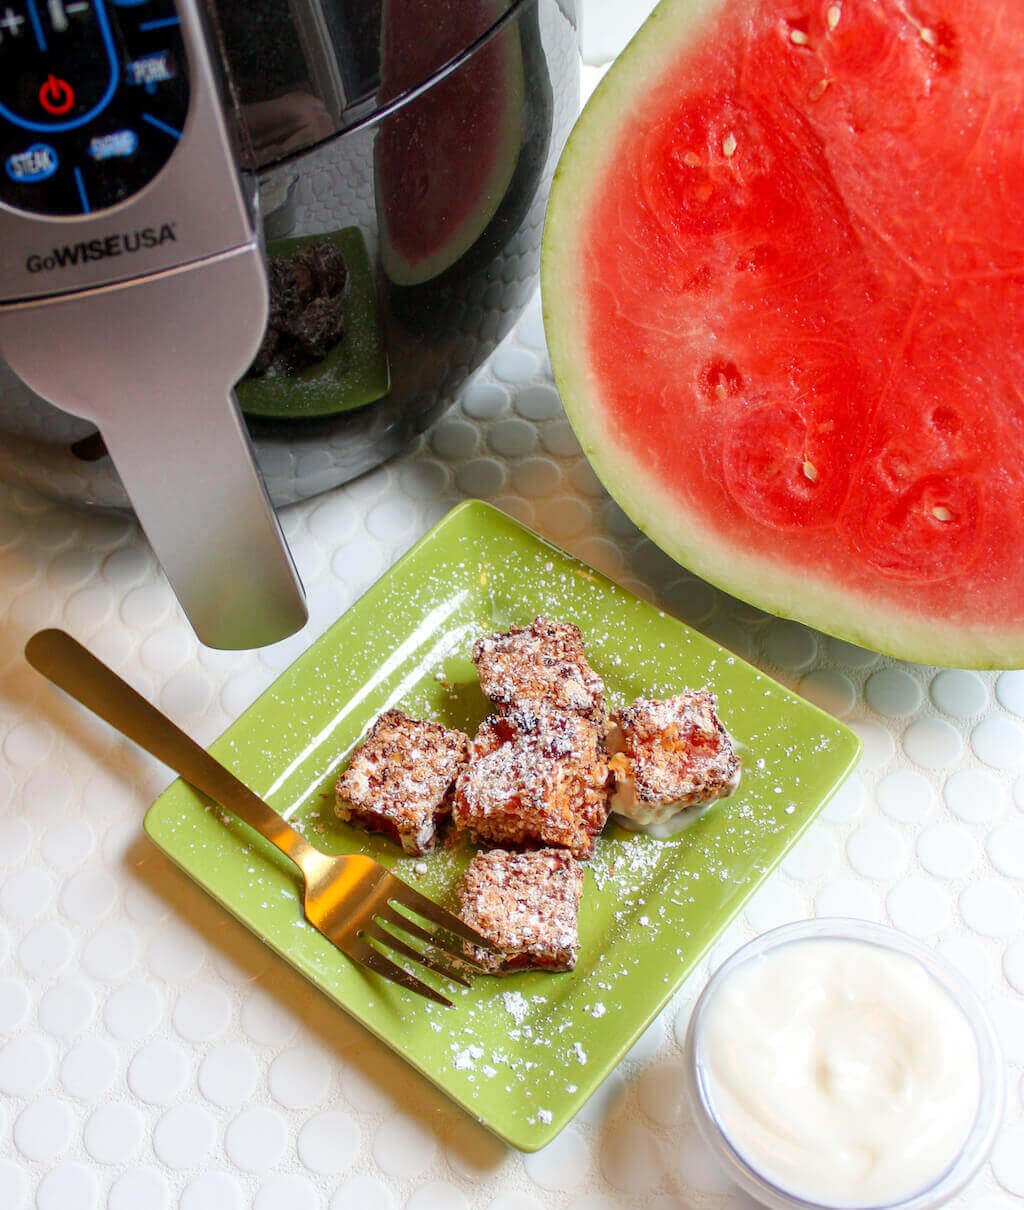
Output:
x,y
797,350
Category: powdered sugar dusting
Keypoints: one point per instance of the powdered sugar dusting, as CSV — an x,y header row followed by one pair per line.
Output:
x,y
516,1006
467,1058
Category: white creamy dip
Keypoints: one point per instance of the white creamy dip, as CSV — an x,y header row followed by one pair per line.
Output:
x,y
840,1071
629,814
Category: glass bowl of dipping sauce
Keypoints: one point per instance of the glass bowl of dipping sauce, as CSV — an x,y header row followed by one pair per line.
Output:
x,y
834,1064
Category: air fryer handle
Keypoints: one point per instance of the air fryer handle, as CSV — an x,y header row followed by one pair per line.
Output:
x,y
152,362
205,511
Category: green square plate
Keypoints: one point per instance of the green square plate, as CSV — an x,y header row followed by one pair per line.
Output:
x,y
522,1053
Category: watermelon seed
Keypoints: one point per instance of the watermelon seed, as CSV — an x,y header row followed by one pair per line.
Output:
x,y
946,422
833,15
691,159
928,37
798,37
810,471
818,91
729,146
941,513
719,379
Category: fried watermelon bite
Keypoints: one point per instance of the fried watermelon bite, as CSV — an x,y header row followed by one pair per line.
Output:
x,y
543,664
400,780
670,756
535,778
526,905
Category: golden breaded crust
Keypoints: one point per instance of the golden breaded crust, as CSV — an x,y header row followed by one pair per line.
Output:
x,y
535,778
543,664
399,780
675,751
526,904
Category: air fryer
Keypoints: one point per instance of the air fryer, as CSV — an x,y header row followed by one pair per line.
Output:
x,y
250,252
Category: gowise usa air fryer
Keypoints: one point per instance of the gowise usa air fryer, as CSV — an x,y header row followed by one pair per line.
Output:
x,y
160,160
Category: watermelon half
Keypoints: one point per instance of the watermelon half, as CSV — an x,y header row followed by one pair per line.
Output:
x,y
784,294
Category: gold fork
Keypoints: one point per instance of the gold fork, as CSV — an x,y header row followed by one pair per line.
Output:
x,y
351,899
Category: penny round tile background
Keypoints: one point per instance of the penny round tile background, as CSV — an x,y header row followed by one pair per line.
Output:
x,y
153,1054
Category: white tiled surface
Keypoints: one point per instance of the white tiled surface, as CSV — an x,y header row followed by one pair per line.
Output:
x,y
153,1055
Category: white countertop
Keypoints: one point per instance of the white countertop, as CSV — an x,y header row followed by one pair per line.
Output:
x,y
154,1055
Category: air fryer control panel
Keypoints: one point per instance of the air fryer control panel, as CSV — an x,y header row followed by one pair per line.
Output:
x,y
93,100
115,156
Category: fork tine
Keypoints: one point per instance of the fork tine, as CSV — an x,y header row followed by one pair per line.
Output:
x,y
437,940
422,906
436,964
359,951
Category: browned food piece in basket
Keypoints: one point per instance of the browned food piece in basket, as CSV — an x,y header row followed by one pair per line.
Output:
x,y
318,328
535,778
399,780
669,756
526,905
291,288
542,664
324,262
307,308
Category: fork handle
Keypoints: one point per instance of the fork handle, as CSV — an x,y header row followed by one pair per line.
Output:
x,y
78,672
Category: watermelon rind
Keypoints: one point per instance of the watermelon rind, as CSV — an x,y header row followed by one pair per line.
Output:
x,y
835,608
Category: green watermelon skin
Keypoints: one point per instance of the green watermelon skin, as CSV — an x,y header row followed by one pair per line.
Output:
x,y
783,285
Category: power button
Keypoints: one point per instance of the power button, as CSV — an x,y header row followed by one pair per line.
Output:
x,y
56,95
